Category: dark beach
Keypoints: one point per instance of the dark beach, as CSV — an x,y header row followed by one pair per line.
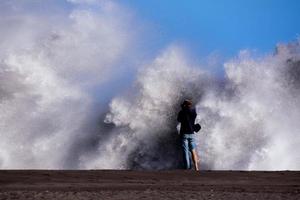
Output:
x,y
123,184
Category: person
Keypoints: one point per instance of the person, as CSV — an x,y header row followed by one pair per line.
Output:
x,y
186,117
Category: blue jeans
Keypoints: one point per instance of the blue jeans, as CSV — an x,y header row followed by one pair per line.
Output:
x,y
188,144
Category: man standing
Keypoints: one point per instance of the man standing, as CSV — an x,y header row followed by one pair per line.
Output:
x,y
186,117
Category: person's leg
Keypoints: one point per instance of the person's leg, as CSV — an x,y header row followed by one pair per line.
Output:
x,y
192,146
185,149
195,159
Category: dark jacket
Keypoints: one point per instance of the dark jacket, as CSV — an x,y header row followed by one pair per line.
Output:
x,y
187,118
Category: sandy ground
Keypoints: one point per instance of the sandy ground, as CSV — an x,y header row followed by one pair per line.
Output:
x,y
118,184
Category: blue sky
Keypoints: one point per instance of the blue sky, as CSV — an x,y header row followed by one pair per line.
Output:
x,y
223,26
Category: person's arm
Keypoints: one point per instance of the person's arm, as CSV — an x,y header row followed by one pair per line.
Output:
x,y
194,114
179,117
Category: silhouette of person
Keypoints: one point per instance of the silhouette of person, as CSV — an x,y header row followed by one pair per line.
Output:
x,y
186,117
